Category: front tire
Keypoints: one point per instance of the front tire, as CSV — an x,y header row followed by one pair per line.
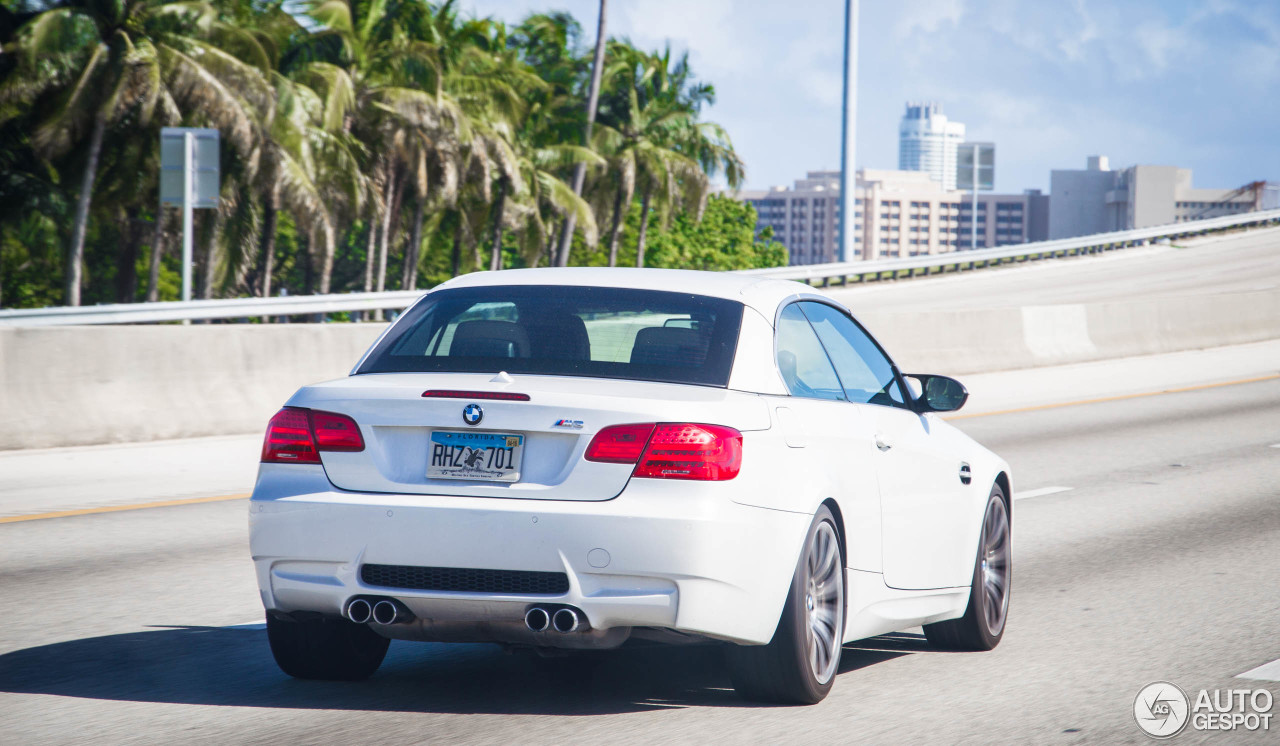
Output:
x,y
983,623
799,665
327,649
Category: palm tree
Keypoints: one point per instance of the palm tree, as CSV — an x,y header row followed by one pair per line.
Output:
x,y
85,65
546,196
380,55
580,171
655,143
642,157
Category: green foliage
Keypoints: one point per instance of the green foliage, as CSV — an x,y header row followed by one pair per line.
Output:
x,y
725,239
349,122
28,258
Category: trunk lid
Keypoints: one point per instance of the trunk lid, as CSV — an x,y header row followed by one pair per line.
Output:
x,y
556,424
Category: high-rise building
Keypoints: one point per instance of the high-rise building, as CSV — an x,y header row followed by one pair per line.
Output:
x,y
927,141
897,214
1099,200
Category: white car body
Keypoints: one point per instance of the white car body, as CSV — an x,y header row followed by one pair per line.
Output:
x,y
658,557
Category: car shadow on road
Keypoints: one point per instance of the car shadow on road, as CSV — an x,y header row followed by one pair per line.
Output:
x,y
231,666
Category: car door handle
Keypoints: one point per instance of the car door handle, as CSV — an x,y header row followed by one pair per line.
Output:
x,y
883,444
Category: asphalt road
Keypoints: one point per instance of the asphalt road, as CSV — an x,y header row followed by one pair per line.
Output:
x,y
1159,562
1235,263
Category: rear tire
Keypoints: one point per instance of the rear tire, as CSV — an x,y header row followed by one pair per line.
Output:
x,y
800,664
327,649
982,626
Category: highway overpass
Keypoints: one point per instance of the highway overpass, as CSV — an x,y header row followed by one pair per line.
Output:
x,y
1147,520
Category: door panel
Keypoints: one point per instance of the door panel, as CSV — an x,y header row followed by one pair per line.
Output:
x,y
838,461
925,510
830,436
924,536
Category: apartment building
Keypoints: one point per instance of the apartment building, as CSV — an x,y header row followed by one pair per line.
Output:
x,y
897,214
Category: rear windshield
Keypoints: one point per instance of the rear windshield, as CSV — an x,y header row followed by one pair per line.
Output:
x,y
565,330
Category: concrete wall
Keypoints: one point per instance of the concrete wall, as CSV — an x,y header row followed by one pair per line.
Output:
x,y
65,386
985,340
83,385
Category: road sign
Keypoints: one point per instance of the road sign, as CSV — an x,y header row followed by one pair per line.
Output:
x,y
975,171
173,161
984,154
188,178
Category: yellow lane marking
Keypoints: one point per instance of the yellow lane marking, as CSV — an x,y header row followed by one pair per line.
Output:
x,y
117,508
1115,398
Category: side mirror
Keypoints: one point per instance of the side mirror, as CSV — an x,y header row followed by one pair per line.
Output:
x,y
939,393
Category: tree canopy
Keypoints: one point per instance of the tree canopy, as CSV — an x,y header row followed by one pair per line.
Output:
x,y
368,144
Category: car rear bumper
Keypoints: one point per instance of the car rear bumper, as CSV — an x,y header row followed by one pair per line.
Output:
x,y
675,555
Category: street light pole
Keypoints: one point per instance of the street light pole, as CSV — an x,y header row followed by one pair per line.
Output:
x,y
973,217
188,198
848,127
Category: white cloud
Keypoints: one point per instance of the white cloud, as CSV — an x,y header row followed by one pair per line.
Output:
x,y
1174,81
1074,39
928,16
718,38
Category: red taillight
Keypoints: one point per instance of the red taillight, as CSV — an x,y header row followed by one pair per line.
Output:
x,y
671,450
296,436
289,439
336,432
685,451
620,444
482,395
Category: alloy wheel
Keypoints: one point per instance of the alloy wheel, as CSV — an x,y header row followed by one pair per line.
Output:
x,y
824,602
995,565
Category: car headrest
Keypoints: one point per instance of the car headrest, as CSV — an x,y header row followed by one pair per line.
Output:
x,y
669,345
558,336
489,339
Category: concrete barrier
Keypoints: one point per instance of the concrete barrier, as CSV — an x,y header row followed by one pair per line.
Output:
x,y
987,340
64,386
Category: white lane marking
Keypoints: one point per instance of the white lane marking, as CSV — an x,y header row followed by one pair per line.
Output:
x,y
247,625
1266,672
1275,445
1041,492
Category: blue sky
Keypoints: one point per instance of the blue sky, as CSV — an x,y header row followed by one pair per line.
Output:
x,y
1191,84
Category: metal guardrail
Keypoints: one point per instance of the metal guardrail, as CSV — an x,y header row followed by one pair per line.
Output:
x,y
226,308
822,274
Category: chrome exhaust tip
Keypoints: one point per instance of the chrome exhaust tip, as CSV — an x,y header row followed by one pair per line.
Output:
x,y
386,612
359,611
537,619
565,620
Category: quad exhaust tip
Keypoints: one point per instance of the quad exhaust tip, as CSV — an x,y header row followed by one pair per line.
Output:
x,y
386,612
537,619
379,611
565,620
359,611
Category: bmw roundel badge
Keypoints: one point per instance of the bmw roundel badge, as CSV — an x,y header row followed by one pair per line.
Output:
x,y
472,414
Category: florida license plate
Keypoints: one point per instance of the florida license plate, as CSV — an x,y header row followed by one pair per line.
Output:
x,y
490,457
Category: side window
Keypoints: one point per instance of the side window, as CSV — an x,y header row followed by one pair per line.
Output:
x,y
801,361
864,371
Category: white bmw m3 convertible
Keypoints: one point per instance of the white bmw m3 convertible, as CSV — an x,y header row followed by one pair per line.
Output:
x,y
571,458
